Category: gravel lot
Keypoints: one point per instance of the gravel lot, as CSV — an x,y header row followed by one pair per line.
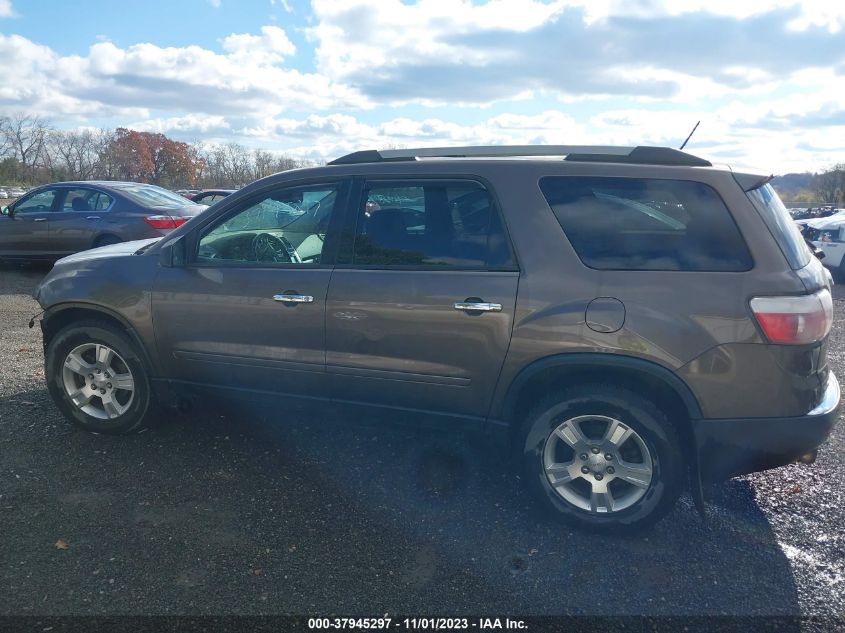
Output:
x,y
235,511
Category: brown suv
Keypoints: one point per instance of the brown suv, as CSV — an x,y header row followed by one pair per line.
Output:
x,y
630,319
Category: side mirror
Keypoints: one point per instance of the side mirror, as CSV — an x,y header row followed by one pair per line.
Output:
x,y
172,254
6,211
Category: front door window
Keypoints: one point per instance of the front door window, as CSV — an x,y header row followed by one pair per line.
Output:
x,y
286,226
40,202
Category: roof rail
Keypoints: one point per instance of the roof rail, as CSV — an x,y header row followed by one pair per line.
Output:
x,y
642,155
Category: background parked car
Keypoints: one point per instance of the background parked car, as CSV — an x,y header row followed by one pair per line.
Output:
x,y
828,235
4,194
209,196
810,213
63,218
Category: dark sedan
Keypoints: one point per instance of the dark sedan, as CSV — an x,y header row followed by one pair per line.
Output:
x,y
210,196
63,218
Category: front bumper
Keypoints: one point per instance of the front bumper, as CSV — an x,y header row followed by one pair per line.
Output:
x,y
731,447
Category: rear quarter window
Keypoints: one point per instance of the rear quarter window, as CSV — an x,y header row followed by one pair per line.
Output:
x,y
646,224
782,226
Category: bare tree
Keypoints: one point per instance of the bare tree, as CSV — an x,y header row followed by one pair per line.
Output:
x,y
27,135
238,164
104,142
830,184
262,164
285,162
73,155
5,145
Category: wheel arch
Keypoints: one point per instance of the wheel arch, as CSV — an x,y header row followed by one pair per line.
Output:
x,y
670,393
584,367
60,316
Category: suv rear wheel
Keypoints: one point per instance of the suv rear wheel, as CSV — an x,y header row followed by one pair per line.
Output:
x,y
603,457
97,379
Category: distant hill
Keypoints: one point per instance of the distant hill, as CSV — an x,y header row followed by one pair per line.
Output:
x,y
795,186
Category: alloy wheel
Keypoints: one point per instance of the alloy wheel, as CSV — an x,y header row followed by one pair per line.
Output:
x,y
98,381
597,463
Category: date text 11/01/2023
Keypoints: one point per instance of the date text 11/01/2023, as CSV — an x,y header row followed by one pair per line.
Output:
x,y
418,624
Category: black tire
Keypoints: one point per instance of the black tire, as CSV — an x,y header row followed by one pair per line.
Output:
x,y
636,412
139,408
107,240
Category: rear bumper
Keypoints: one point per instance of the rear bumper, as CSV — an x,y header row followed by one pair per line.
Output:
x,y
731,447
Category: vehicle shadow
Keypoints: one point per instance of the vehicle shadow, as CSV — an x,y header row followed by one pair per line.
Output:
x,y
238,508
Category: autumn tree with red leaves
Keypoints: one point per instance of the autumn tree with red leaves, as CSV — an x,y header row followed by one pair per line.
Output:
x,y
154,158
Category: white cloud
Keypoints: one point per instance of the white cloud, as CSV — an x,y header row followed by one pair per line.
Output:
x,y
271,47
214,3
246,80
461,52
6,10
196,124
41,80
743,136
327,136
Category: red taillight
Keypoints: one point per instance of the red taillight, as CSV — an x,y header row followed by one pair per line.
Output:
x,y
164,221
794,320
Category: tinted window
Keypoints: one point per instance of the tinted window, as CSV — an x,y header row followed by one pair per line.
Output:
x,y
36,203
646,224
783,228
284,227
85,200
449,224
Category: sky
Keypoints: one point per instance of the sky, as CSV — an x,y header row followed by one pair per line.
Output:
x,y
320,78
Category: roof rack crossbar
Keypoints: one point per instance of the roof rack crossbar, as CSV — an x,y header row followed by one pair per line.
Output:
x,y
582,153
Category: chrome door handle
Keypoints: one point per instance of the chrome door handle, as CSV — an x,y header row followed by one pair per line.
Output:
x,y
93,217
478,306
39,219
294,298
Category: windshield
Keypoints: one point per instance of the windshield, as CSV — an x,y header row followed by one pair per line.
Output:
x,y
152,196
267,214
782,226
307,213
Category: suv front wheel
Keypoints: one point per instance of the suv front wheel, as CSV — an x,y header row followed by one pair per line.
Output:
x,y
603,457
97,379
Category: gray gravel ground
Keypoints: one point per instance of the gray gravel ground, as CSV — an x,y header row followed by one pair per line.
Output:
x,y
235,511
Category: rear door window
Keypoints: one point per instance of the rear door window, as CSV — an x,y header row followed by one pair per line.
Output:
x,y
448,224
646,224
85,200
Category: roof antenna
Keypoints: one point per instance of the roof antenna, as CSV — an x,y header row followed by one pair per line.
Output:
x,y
690,136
